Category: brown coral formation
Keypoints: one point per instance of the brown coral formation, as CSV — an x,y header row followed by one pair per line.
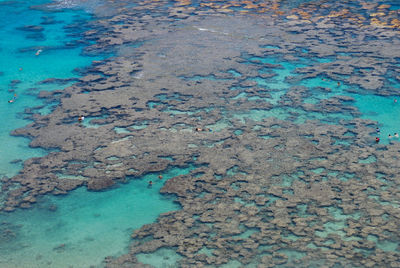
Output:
x,y
303,187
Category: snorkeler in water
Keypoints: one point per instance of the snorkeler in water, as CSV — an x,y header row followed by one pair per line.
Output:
x,y
197,129
13,99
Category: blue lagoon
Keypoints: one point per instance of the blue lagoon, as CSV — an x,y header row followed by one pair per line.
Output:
x,y
215,134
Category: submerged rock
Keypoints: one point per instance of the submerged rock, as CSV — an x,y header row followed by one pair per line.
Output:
x,y
279,176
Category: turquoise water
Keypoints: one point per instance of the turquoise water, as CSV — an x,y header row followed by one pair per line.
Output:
x,y
18,49
64,231
384,111
68,230
161,258
76,232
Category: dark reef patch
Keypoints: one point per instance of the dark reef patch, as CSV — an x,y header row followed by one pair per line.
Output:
x,y
279,182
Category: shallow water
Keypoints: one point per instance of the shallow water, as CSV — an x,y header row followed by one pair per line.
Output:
x,y
57,60
73,229
65,231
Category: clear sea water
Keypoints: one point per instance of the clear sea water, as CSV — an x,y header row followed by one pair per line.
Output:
x,y
66,230
18,49
83,228
83,222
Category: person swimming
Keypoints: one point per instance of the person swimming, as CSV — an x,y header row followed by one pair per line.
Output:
x,y
378,130
197,129
38,52
81,118
13,99
377,139
396,135
390,136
